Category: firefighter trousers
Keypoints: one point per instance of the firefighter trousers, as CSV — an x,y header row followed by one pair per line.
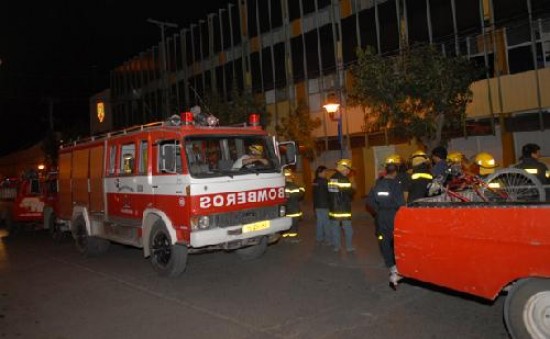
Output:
x,y
384,234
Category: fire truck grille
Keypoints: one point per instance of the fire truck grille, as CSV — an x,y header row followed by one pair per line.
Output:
x,y
245,216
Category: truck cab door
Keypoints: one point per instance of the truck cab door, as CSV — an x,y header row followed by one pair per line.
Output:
x,y
168,183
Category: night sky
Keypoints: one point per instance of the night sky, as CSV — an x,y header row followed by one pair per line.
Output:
x,y
62,51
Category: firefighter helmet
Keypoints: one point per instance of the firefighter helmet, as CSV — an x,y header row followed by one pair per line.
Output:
x,y
344,164
418,157
256,148
393,159
455,157
288,174
486,163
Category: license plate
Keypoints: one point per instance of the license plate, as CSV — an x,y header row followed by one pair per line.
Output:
x,y
260,225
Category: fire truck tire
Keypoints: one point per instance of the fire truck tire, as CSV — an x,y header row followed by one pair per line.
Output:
x,y
88,246
527,309
167,259
253,252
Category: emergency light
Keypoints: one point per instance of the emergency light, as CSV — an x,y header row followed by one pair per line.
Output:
x,y
187,118
254,120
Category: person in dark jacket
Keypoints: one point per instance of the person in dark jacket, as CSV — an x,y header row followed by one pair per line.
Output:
x,y
340,191
323,235
439,159
530,155
420,176
294,194
385,198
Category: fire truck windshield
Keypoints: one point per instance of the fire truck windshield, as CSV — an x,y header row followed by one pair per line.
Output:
x,y
222,155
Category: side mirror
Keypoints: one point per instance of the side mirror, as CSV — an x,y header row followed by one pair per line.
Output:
x,y
288,152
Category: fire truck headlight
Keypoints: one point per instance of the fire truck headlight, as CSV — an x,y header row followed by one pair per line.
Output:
x,y
282,210
200,222
204,222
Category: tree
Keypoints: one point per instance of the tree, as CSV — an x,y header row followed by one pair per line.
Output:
x,y
237,109
299,127
417,94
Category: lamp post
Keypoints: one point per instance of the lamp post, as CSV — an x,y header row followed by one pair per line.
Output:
x,y
332,105
164,66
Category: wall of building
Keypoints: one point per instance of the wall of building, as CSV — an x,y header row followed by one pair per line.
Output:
x,y
287,51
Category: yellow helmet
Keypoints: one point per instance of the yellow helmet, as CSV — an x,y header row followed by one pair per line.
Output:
x,y
418,157
289,174
344,163
455,157
256,148
393,159
486,163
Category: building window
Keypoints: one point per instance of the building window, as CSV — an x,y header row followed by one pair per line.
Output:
x,y
267,69
293,9
251,18
312,54
297,52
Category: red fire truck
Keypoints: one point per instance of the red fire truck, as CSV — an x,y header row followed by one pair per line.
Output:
x,y
25,199
172,188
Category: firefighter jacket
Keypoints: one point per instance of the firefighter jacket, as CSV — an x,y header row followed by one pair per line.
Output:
x,y
418,182
385,196
293,194
536,168
340,192
320,193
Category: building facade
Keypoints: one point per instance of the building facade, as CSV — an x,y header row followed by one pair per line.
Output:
x,y
291,51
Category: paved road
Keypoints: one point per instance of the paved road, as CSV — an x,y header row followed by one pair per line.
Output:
x,y
295,291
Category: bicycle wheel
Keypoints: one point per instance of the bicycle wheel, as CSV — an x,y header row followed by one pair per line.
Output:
x,y
513,184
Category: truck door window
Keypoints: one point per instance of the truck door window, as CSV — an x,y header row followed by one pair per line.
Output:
x,y
169,157
143,146
127,160
112,160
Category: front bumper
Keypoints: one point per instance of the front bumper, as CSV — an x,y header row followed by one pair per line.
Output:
x,y
219,236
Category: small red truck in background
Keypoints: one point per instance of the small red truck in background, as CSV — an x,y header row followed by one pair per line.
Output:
x,y
25,198
482,249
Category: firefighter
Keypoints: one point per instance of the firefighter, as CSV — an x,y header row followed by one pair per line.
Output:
x,y
420,176
402,175
439,161
341,191
530,155
485,164
385,198
294,194
254,157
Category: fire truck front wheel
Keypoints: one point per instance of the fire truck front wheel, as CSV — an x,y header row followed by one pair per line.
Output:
x,y
169,260
527,309
88,246
253,252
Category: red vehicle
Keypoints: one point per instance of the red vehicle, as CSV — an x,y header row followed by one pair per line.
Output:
x,y
27,199
482,249
173,188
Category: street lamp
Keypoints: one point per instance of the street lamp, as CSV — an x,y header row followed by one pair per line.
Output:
x,y
164,79
332,105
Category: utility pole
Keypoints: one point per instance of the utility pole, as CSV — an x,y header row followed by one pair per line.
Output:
x,y
164,75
